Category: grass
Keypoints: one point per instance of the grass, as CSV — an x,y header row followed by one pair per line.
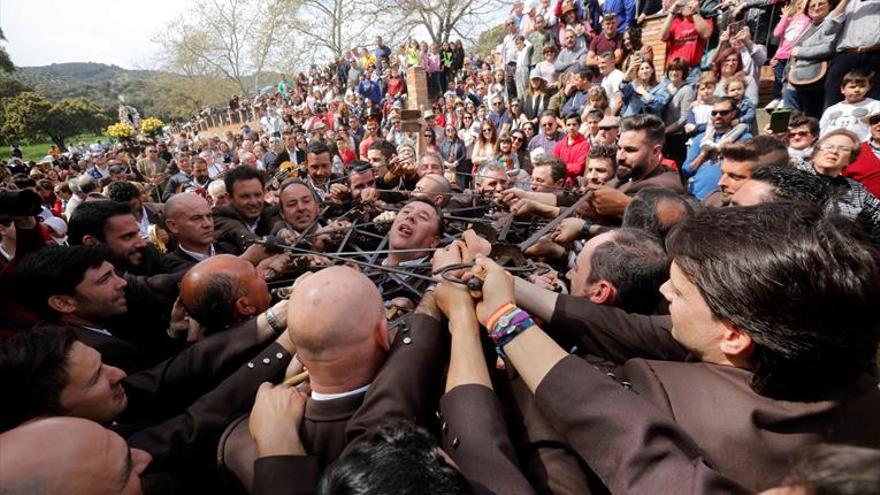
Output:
x,y
35,151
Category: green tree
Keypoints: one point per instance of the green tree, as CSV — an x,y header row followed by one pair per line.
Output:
x,y
30,116
10,87
6,64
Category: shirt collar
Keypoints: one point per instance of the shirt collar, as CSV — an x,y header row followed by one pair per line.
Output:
x,y
320,396
198,256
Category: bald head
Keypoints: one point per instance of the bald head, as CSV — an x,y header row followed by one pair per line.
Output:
x,y
84,458
188,216
178,204
223,290
336,320
434,188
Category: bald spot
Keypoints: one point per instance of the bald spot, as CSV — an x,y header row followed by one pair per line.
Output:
x,y
180,204
434,183
332,311
199,276
670,212
60,455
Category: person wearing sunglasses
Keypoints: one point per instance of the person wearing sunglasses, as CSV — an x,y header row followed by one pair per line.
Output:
x,y
701,167
802,134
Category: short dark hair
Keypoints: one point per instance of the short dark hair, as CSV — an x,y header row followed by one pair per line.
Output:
x,y
388,150
240,174
760,151
678,64
317,147
745,260
729,100
651,125
53,270
603,152
557,167
123,191
586,73
214,308
357,166
798,119
34,369
644,211
635,262
90,218
792,184
837,470
374,465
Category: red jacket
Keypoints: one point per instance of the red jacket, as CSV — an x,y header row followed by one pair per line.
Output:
x,y
574,155
866,170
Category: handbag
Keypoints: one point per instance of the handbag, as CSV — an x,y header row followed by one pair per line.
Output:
x,y
797,77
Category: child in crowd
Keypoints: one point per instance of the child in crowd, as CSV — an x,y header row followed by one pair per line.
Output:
x,y
701,110
849,113
736,89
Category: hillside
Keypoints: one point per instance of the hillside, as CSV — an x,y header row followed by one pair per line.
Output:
x,y
99,83
156,93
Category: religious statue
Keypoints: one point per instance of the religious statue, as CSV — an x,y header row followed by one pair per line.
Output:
x,y
128,114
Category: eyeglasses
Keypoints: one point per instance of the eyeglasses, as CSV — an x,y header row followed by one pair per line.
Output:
x,y
721,112
799,133
831,148
517,138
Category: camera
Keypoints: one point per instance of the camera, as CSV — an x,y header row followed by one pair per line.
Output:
x,y
20,203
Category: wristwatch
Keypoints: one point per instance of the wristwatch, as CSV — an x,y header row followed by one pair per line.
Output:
x,y
273,322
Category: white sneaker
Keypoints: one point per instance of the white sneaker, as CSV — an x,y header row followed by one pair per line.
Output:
x,y
773,104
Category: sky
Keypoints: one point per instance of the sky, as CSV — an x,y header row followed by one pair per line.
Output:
x,y
117,32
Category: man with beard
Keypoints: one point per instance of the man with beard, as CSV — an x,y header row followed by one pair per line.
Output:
x,y
639,151
319,168
247,217
113,223
79,287
147,215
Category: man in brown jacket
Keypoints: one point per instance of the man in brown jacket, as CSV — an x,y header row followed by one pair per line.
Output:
x,y
359,377
774,308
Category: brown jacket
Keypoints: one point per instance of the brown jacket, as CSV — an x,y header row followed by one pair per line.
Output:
x,y
746,436
630,445
475,436
661,177
407,387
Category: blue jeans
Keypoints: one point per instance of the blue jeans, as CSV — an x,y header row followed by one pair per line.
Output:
x,y
779,74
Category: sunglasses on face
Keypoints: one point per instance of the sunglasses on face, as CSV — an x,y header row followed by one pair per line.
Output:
x,y
517,138
799,133
720,112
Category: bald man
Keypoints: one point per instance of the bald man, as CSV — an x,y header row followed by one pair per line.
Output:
x,y
433,188
358,377
84,458
222,291
188,216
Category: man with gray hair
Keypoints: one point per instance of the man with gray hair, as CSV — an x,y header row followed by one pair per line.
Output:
x,y
80,187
